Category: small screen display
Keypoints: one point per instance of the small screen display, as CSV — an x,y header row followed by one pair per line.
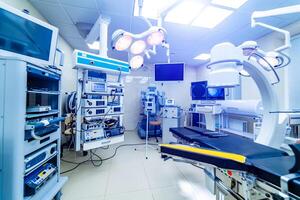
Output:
x,y
22,36
117,109
199,91
215,94
99,103
98,87
99,111
169,72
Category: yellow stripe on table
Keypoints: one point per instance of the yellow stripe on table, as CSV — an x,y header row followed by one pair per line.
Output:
x,y
215,153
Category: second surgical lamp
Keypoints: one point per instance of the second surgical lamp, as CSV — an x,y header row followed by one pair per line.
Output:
x,y
138,45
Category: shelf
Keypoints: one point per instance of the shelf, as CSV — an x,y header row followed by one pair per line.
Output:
x,y
50,189
52,112
43,92
29,172
104,94
103,142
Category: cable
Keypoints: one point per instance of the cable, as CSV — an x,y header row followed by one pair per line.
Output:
x,y
200,167
94,161
105,148
101,160
287,63
271,67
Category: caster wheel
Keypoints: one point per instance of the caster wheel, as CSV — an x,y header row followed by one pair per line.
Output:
x,y
84,153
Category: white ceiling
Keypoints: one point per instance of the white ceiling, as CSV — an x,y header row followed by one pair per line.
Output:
x,y
74,18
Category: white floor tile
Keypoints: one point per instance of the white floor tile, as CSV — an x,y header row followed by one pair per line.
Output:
x,y
170,193
86,182
191,173
183,191
127,178
139,195
163,175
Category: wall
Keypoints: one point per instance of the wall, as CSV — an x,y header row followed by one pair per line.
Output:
x,y
292,72
68,74
180,91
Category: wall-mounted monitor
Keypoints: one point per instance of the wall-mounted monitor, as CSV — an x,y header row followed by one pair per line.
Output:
x,y
25,37
200,91
169,72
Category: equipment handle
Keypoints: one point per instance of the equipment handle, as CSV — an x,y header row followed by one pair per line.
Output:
x,y
237,62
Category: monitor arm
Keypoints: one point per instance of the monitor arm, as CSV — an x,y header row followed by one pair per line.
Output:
x,y
275,12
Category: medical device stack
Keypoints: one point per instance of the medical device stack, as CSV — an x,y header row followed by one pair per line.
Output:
x,y
171,117
30,134
99,105
152,101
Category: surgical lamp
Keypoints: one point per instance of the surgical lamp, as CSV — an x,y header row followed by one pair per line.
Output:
x,y
121,40
138,45
136,61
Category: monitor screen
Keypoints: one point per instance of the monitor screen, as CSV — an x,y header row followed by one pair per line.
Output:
x,y
199,91
169,72
215,94
25,37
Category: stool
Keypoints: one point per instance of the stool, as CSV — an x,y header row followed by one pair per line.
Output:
x,y
156,124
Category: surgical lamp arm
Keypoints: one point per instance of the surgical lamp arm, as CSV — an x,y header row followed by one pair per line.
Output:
x,y
275,12
287,35
163,13
141,5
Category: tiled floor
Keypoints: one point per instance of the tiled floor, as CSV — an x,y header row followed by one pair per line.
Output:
x,y
129,176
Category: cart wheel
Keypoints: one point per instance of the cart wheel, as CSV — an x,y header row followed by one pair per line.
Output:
x,y
84,153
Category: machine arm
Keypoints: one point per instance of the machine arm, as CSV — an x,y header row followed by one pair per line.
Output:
x,y
275,12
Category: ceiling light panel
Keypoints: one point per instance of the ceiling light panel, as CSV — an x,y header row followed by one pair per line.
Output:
x,y
185,12
229,3
152,8
203,56
211,17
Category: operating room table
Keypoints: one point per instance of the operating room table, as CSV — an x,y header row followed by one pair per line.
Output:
x,y
239,154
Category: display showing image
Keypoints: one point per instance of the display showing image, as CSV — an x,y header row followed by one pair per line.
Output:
x,y
200,91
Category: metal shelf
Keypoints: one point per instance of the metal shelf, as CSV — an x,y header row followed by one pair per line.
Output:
x,y
16,73
49,190
52,112
102,142
43,92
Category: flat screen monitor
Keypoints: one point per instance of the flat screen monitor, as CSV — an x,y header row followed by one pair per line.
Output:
x,y
25,37
215,94
200,91
169,72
